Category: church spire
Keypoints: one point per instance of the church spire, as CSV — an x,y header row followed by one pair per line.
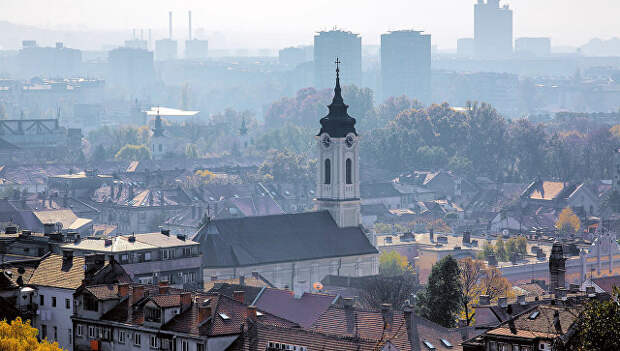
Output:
x,y
337,123
158,130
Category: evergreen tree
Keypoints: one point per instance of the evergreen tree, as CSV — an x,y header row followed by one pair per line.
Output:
x,y
440,301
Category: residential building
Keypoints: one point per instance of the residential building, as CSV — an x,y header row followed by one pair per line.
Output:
x,y
149,257
55,280
146,317
492,30
344,45
406,65
57,61
558,195
131,71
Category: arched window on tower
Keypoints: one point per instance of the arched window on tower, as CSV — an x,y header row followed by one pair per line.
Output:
x,y
328,171
349,165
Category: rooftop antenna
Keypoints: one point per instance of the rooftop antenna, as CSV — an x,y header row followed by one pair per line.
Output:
x,y
189,14
170,25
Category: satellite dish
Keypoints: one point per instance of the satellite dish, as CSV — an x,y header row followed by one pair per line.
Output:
x,y
317,286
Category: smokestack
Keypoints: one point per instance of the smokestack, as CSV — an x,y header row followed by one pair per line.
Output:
x,y
189,13
170,25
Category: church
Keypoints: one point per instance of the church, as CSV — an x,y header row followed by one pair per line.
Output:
x,y
296,250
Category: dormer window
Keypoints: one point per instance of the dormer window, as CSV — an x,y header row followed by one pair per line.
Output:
x,y
152,314
90,303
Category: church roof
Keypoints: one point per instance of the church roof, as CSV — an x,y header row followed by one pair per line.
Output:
x,y
250,241
337,123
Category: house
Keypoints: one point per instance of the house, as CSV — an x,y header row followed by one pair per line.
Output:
x,y
146,317
543,327
559,195
55,280
381,193
148,257
32,215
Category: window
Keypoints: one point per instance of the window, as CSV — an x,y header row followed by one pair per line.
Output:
x,y
43,331
160,147
184,345
67,304
91,303
154,342
106,333
55,333
70,335
167,254
53,301
124,258
137,339
349,165
492,346
328,171
121,337
152,314
92,332
200,347
80,330
187,251
192,277
147,256
42,300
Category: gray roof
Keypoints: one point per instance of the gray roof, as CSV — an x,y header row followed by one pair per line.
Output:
x,y
378,190
258,240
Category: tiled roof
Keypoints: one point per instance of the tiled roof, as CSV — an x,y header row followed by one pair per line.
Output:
x,y
251,241
541,325
304,310
168,300
104,291
56,272
607,283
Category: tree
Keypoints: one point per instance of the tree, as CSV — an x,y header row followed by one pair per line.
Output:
x,y
568,222
599,327
20,336
478,279
391,263
500,251
393,290
440,301
133,153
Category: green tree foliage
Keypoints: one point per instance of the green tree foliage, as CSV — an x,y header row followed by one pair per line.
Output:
x,y
133,153
504,250
288,167
599,327
391,263
440,301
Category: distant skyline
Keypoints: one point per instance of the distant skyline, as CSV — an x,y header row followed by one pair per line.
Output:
x,y
279,23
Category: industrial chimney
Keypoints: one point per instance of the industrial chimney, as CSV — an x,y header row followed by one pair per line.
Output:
x,y
170,25
189,13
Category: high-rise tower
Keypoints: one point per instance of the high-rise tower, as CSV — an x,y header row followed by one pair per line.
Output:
x,y
338,185
492,30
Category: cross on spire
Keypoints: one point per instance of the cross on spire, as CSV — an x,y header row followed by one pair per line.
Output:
x,y
337,65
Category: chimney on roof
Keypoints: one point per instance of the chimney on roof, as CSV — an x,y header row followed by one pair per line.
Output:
x,y
484,300
204,311
239,296
67,255
166,232
132,238
123,289
186,298
93,263
299,289
108,242
502,302
521,300
252,312
163,287
348,302
386,313
412,323
181,237
138,293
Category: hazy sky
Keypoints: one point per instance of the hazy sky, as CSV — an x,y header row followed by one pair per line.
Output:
x,y
279,23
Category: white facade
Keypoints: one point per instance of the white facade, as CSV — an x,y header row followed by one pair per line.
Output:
x,y
53,320
338,184
302,274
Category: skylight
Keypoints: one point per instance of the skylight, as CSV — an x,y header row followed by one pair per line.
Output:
x,y
429,345
533,315
224,316
446,343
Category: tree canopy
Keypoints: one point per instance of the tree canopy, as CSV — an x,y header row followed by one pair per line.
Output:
x,y
20,336
440,301
568,222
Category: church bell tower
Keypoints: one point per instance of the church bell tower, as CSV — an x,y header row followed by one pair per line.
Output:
x,y
338,185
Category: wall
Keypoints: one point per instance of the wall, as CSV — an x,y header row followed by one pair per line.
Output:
x,y
59,316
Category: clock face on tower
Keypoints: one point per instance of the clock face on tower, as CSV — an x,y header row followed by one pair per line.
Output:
x,y
350,140
326,141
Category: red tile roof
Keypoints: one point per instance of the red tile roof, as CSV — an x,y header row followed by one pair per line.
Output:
x,y
304,310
